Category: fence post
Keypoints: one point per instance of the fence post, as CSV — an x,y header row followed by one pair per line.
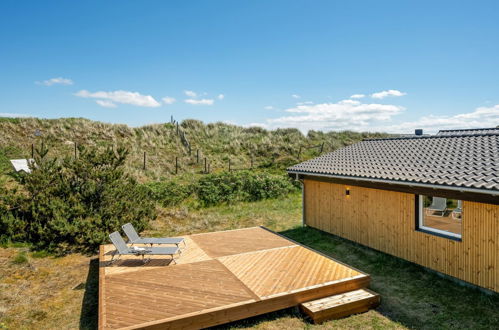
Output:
x,y
322,147
177,127
299,153
197,156
76,155
32,151
176,165
205,168
209,167
144,160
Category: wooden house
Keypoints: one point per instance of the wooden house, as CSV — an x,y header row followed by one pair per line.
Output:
x,y
429,199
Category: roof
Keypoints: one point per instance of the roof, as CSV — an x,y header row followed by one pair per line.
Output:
x,y
468,161
469,131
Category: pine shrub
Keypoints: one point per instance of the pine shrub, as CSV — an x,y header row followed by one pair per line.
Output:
x,y
74,204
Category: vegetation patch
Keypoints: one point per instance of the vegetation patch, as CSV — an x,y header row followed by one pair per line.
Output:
x,y
169,192
20,258
73,204
248,186
216,142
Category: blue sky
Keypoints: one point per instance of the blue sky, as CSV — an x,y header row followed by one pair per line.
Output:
x,y
428,64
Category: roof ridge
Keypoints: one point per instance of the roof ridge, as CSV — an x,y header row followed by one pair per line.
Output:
x,y
468,129
432,137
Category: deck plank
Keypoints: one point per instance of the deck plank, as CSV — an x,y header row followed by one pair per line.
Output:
x,y
238,241
285,269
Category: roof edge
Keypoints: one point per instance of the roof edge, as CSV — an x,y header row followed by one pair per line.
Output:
x,y
402,183
435,136
469,129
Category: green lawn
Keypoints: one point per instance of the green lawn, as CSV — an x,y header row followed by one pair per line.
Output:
x,y
44,292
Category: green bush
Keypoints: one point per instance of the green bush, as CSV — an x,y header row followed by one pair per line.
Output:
x,y
74,204
20,258
230,187
169,193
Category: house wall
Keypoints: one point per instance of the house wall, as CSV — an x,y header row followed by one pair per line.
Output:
x,y
385,220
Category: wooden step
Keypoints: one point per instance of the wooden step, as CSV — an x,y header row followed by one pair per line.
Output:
x,y
340,305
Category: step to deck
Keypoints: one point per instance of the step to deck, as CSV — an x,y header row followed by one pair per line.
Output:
x,y
340,305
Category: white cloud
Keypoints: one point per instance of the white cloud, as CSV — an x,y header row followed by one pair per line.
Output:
x,y
269,107
351,102
190,93
262,125
480,117
295,96
221,96
106,103
55,81
200,102
357,96
14,115
124,97
390,92
345,114
168,100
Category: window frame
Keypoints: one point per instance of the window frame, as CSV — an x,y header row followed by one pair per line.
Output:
x,y
419,212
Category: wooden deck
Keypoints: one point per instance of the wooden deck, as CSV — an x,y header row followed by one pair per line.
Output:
x,y
220,277
446,223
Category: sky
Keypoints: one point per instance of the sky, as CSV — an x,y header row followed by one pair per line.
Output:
x,y
389,66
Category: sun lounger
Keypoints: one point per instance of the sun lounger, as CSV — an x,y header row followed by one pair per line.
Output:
x,y
438,204
134,238
123,249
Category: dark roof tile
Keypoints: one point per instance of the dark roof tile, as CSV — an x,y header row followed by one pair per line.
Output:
x,y
469,158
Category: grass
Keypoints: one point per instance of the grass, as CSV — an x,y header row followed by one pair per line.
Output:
x,y
20,258
218,142
49,292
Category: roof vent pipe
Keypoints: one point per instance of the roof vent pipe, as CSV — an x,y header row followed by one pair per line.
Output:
x,y
418,132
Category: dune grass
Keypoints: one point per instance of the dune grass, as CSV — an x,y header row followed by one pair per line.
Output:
x,y
49,292
218,142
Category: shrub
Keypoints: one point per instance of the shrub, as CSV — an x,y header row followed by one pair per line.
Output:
x,y
169,193
20,258
12,120
229,187
75,204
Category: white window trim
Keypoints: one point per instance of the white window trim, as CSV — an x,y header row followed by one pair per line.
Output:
x,y
434,230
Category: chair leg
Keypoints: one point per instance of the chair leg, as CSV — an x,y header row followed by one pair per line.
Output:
x,y
145,261
112,258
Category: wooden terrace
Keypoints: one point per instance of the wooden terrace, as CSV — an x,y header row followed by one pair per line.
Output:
x,y
219,277
446,222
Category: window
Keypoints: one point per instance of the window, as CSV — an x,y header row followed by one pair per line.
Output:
x,y
440,216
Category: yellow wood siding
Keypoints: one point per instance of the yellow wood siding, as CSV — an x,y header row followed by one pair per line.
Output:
x,y
385,221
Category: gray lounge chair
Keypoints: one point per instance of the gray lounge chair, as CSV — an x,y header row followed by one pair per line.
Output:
x,y
438,204
458,211
123,249
134,238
